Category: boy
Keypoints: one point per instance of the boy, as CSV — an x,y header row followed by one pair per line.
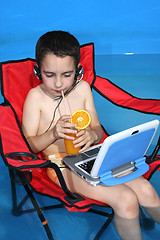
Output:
x,y
45,126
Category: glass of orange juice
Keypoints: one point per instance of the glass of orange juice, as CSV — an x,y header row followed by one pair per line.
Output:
x,y
70,149
82,118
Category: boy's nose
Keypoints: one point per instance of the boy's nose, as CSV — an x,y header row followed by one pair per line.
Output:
x,y
58,82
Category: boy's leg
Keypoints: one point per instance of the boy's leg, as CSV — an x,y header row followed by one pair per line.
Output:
x,y
121,198
128,228
154,213
147,197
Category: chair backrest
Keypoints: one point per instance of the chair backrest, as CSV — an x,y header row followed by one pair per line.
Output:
x,y
18,78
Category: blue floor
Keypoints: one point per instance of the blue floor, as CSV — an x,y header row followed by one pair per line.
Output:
x,y
136,74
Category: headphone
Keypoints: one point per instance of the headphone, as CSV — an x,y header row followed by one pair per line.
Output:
x,y
79,72
78,78
37,72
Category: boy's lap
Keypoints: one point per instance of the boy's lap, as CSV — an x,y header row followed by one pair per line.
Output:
x,y
137,184
106,194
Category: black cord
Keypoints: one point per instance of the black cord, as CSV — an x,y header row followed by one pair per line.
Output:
x,y
54,115
70,89
66,93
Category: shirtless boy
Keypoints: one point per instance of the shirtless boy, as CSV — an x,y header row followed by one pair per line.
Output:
x,y
45,125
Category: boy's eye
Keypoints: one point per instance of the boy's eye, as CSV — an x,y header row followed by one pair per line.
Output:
x,y
67,75
49,75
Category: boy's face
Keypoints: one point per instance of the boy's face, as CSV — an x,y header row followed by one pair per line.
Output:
x,y
58,73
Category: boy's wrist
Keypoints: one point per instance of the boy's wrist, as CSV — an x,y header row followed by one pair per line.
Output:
x,y
52,135
98,134
96,137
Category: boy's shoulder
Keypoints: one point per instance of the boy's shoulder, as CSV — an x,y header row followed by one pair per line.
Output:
x,y
84,84
35,92
84,87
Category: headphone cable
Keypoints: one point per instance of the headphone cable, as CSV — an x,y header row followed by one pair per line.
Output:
x,y
54,115
66,93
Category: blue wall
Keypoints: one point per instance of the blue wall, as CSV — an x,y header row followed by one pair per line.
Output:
x,y
116,26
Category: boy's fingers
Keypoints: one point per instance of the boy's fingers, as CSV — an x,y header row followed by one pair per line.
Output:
x,y
80,133
65,130
68,137
66,120
69,131
70,126
84,148
66,117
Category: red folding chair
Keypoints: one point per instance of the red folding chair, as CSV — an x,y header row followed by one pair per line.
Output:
x,y
16,80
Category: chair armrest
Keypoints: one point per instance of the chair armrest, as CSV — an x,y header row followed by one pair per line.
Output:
x,y
120,97
24,160
28,161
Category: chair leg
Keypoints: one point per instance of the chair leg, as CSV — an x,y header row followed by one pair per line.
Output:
x,y
106,224
39,212
103,228
17,208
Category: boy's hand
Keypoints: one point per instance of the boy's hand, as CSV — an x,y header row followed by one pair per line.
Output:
x,y
64,126
85,138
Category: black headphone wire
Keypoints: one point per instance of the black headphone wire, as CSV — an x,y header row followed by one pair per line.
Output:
x,y
54,115
61,98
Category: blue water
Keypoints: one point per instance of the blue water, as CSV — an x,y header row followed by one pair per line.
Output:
x,y
136,74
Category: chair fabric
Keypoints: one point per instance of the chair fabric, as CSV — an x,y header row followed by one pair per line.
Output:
x,y
17,79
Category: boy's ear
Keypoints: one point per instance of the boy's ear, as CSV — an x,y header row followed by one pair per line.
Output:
x,y
37,72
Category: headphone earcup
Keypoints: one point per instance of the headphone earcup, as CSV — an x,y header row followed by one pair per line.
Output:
x,y
79,72
37,72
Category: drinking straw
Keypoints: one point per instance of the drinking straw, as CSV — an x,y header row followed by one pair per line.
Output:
x,y
66,104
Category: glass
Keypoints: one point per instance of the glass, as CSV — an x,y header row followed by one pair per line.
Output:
x,y
70,149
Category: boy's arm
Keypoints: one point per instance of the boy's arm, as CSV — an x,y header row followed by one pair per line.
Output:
x,y
90,107
94,133
30,123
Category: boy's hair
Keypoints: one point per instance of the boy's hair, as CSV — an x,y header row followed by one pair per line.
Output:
x,y
60,43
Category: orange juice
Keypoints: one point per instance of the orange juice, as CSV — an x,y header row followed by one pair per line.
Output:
x,y
70,149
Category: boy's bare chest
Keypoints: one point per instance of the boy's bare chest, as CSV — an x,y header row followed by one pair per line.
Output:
x,y
55,109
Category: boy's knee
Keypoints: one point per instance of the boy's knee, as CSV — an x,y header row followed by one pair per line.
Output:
x,y
147,192
129,198
128,206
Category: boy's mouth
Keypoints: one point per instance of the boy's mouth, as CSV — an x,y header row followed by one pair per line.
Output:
x,y
58,91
